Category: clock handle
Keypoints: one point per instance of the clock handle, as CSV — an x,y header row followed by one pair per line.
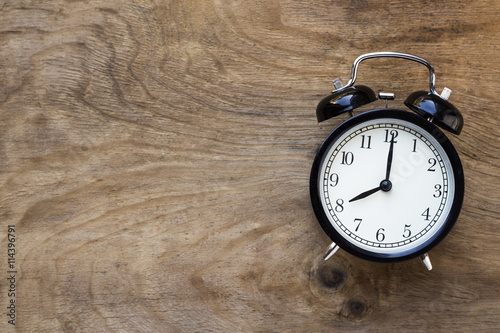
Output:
x,y
428,104
432,80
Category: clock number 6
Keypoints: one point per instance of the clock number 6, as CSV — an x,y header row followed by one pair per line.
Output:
x,y
380,236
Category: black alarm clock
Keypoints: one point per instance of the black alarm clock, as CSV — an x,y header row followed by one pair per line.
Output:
x,y
387,185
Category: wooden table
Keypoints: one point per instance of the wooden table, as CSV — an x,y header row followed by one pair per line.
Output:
x,y
155,159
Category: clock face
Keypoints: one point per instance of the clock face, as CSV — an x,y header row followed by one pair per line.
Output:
x,y
387,185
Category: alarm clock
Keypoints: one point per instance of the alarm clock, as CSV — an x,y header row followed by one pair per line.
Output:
x,y
387,185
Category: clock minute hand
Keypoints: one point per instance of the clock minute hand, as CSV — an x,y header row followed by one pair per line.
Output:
x,y
389,159
365,194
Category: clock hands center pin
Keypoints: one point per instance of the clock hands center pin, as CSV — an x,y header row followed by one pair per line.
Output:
x,y
385,185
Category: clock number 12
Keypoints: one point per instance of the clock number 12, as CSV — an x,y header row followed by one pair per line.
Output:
x,y
393,134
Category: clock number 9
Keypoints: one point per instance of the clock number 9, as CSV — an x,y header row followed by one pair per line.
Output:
x,y
334,179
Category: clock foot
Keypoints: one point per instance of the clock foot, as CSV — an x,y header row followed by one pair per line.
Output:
x,y
426,261
331,250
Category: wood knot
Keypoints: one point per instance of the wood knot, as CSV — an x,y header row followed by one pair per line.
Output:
x,y
332,275
69,326
355,309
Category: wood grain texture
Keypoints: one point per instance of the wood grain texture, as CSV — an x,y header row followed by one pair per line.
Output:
x,y
155,158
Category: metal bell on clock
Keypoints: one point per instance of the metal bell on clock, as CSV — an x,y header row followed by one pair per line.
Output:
x,y
437,109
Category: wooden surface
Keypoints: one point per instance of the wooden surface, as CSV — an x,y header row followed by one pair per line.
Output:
x,y
155,158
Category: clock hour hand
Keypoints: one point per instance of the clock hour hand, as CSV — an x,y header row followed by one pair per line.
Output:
x,y
385,186
365,194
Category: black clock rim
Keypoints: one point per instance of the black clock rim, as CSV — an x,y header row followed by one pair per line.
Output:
x,y
456,204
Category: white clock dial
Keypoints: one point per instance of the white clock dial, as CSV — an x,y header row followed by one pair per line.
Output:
x,y
404,212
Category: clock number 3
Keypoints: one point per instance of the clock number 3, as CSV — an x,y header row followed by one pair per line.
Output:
x,y
437,192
